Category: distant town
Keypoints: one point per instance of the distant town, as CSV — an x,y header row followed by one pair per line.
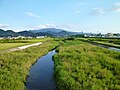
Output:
x,y
51,32
112,35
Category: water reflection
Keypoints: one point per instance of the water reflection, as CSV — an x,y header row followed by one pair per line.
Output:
x,y
116,49
41,74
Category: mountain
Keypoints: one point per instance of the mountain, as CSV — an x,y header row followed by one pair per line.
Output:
x,y
25,33
2,32
63,34
11,33
44,34
52,32
7,33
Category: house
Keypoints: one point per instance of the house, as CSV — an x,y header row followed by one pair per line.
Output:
x,y
109,35
40,36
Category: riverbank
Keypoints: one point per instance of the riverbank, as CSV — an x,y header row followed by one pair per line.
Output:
x,y
6,44
15,66
105,42
21,47
82,66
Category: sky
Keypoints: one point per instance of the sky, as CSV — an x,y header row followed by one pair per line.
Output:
x,y
92,16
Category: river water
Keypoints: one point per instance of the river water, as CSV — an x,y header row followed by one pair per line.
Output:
x,y
115,49
104,46
41,74
108,47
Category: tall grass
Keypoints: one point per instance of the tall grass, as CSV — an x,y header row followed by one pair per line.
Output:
x,y
14,66
115,42
81,66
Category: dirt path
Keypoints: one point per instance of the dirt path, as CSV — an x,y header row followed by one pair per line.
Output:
x,y
20,48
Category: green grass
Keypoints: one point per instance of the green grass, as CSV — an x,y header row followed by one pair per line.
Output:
x,y
14,66
82,66
34,40
107,40
8,43
112,42
78,66
107,43
4,46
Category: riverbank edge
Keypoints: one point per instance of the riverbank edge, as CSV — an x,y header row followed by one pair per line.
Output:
x,y
59,66
44,48
40,57
101,43
53,48
20,47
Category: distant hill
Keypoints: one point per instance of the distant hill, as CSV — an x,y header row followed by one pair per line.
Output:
x,y
2,33
7,33
52,32
44,34
11,33
25,33
63,33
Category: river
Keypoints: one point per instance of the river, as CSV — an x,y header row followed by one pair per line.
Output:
x,y
41,74
104,46
108,47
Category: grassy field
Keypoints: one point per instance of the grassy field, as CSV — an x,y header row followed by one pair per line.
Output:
x,y
115,42
107,40
14,66
82,66
78,65
4,46
7,43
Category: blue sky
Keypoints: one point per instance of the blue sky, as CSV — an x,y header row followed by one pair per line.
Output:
x,y
73,15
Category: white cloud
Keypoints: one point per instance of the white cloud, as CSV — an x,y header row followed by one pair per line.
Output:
x,y
78,6
117,3
77,11
97,11
80,3
41,26
4,25
101,11
116,7
67,26
72,27
31,14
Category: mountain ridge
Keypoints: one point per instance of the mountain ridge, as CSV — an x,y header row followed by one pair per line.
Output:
x,y
52,32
